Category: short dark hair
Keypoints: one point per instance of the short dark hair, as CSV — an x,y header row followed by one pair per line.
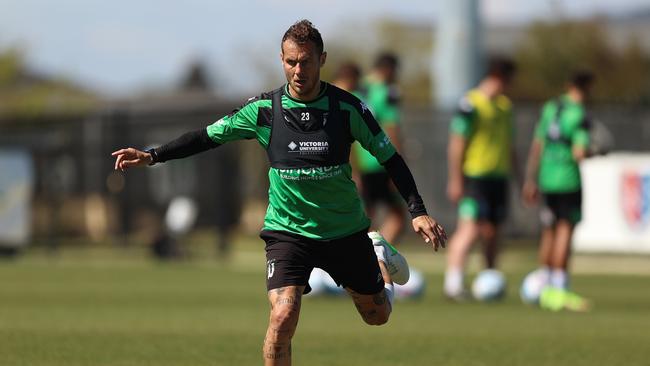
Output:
x,y
302,32
386,59
348,70
501,67
582,79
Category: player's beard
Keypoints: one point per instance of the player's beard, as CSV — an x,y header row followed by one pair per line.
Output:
x,y
304,87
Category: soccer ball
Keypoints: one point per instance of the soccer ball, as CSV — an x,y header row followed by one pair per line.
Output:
x,y
181,215
532,285
413,288
489,285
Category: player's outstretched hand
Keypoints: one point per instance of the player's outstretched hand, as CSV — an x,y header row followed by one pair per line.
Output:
x,y
430,231
127,158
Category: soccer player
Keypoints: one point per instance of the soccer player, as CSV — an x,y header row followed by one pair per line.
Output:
x,y
348,77
382,96
561,141
480,161
315,217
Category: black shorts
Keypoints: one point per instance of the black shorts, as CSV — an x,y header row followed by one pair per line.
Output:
x,y
484,199
561,206
377,189
351,261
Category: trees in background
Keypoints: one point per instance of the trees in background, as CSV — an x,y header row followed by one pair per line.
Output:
x,y
550,51
546,54
26,94
411,42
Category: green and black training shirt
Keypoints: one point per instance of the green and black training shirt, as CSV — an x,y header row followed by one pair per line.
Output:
x,y
311,192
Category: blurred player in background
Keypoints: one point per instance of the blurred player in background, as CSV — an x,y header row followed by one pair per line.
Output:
x,y
380,93
480,162
560,142
348,77
315,217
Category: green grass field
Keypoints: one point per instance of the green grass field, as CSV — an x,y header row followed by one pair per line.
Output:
x,y
101,306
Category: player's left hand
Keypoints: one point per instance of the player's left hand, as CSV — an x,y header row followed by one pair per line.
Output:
x,y
430,231
130,157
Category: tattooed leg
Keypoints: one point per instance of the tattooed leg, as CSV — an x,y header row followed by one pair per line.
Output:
x,y
285,309
374,309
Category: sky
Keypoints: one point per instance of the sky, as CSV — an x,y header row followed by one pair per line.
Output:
x,y
119,47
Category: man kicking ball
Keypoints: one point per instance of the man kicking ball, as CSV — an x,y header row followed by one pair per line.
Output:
x,y
315,217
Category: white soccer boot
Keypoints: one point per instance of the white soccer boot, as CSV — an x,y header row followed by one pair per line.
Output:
x,y
398,268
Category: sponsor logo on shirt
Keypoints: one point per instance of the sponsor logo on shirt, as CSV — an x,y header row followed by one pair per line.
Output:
x,y
384,142
309,147
554,132
364,107
317,173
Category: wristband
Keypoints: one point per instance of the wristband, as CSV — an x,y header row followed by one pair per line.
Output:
x,y
154,155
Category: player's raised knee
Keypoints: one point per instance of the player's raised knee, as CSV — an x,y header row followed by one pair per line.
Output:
x,y
372,314
376,315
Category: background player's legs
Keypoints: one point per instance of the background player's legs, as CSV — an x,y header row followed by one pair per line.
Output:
x,y
378,193
545,254
459,246
285,310
375,309
560,253
546,246
370,210
460,243
557,296
393,224
489,235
